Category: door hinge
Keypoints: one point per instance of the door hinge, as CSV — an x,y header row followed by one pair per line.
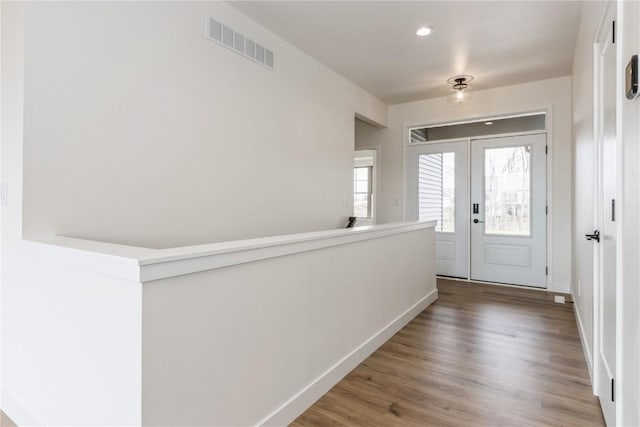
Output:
x,y
613,390
546,210
546,149
613,210
613,32
546,271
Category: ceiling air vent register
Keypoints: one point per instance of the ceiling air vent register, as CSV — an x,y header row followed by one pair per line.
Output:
x,y
239,43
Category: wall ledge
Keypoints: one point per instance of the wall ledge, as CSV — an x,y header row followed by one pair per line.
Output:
x,y
146,265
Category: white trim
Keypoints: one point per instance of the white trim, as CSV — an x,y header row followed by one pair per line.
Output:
x,y
192,259
316,389
583,341
146,265
17,411
112,260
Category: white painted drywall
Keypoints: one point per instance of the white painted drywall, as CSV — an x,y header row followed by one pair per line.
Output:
x,y
141,131
58,323
259,342
138,129
71,341
584,170
534,96
628,295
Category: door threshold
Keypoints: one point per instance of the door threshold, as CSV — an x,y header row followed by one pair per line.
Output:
x,y
507,285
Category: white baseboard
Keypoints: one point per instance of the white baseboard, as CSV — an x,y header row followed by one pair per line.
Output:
x,y
314,391
19,414
583,341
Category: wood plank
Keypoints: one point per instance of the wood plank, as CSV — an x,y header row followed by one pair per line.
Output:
x,y
481,355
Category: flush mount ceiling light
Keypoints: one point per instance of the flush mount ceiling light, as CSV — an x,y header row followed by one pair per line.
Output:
x,y
460,87
424,31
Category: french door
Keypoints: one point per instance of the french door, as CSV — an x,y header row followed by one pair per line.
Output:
x,y
508,221
489,199
437,183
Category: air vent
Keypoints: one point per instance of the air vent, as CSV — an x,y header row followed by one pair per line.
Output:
x,y
239,43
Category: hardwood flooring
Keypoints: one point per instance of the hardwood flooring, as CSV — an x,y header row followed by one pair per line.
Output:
x,y
481,355
5,421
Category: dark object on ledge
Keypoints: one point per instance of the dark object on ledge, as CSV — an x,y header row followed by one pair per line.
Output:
x,y
352,222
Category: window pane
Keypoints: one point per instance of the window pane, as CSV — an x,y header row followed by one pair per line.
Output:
x,y
362,173
507,177
362,187
362,190
361,205
436,190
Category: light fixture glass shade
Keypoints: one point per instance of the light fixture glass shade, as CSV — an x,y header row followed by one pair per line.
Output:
x,y
457,96
460,89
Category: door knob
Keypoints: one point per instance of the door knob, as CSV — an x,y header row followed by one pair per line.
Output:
x,y
476,220
595,236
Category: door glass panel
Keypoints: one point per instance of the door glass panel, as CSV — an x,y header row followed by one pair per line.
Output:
x,y
436,190
507,180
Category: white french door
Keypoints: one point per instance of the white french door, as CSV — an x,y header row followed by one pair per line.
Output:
x,y
508,210
489,199
437,185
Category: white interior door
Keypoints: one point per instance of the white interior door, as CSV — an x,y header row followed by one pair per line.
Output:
x,y
437,189
508,210
606,316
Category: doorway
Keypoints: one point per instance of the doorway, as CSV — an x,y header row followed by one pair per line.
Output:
x,y
488,197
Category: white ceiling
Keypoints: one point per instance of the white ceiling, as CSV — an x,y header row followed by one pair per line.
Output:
x,y
373,43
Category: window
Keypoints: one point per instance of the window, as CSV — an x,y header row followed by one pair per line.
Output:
x,y
362,191
536,121
436,190
507,177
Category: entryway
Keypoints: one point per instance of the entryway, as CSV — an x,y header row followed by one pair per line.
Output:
x,y
488,196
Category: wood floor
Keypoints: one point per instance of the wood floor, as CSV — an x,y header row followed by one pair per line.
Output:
x,y
5,421
480,356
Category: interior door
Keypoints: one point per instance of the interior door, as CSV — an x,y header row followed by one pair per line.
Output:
x,y
437,189
508,210
606,209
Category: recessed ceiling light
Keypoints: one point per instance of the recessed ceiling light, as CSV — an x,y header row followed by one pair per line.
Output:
x,y
488,123
424,31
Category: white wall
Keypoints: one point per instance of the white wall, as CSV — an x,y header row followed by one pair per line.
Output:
x,y
71,341
139,130
584,170
260,342
540,95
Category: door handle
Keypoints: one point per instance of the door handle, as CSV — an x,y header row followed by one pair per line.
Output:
x,y
476,220
595,236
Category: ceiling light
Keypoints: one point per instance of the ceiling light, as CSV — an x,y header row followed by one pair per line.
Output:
x,y
488,123
424,31
459,87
